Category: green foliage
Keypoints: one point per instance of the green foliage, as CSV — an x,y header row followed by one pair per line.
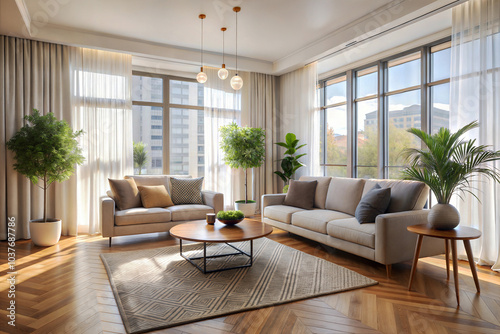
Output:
x,y
140,155
242,146
45,149
449,163
290,163
230,215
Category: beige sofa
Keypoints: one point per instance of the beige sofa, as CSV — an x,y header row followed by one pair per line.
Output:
x,y
332,220
116,222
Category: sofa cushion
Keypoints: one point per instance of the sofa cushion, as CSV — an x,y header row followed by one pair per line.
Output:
x,y
405,195
186,191
372,204
155,180
316,220
155,196
125,193
352,231
344,194
190,211
281,213
301,194
321,189
141,216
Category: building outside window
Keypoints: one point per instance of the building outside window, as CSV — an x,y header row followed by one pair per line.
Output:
x,y
168,118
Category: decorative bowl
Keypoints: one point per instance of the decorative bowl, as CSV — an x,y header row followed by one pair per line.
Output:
x,y
230,221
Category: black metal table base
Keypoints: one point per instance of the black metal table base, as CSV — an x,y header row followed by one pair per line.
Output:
x,y
205,257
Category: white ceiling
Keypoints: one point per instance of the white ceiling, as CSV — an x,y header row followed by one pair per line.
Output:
x,y
274,36
268,29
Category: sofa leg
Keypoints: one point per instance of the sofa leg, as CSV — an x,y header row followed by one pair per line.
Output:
x,y
388,269
109,242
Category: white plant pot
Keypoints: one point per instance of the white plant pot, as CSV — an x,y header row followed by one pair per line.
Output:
x,y
443,217
45,234
248,209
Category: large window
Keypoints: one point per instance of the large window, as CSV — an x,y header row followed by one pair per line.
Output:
x,y
168,119
367,111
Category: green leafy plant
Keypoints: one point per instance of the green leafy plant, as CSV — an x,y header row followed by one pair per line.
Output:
x,y
243,147
45,150
140,156
448,163
290,163
230,215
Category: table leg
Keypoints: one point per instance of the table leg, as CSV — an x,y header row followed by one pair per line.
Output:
x,y
415,259
251,252
447,252
204,257
472,264
455,267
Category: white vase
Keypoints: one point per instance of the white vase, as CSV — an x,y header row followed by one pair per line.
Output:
x,y
45,234
443,217
248,209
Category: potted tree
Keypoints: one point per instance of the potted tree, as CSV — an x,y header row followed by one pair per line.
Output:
x,y
243,147
447,164
45,151
290,163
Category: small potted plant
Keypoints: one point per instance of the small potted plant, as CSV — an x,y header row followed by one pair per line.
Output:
x,y
45,151
447,164
290,163
243,147
230,217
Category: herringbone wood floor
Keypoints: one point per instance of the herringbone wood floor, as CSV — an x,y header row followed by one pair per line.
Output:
x,y
65,289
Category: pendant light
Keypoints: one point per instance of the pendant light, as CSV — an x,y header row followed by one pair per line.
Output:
x,y
236,81
201,77
223,73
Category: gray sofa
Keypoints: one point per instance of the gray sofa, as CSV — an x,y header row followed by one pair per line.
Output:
x,y
140,220
332,220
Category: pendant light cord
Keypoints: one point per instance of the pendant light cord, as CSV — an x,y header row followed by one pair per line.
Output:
x,y
202,43
223,46
236,43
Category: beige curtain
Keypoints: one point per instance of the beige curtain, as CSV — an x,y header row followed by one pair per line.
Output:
x,y
263,114
32,75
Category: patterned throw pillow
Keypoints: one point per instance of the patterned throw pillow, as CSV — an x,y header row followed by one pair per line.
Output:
x,y
186,191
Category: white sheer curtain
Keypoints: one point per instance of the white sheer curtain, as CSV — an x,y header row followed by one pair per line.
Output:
x,y
475,92
299,113
101,87
223,105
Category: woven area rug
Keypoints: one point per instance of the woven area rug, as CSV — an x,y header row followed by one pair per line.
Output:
x,y
156,288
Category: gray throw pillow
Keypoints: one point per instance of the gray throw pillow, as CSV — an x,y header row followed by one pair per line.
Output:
x,y
301,194
125,193
186,191
374,203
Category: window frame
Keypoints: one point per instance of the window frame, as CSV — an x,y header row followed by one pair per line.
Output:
x,y
166,105
382,101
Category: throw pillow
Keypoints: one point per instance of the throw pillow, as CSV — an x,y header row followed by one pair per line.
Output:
x,y
155,196
301,194
375,202
186,191
125,193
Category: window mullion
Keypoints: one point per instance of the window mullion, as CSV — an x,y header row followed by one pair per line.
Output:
x,y
166,125
350,123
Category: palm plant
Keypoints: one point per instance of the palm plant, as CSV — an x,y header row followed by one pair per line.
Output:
x,y
448,163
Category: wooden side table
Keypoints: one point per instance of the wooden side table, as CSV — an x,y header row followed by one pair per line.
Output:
x,y
459,233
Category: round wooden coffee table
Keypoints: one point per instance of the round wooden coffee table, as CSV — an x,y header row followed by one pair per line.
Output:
x,y
200,231
458,233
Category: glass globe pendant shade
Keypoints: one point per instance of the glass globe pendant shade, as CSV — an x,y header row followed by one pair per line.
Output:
x,y
223,73
236,82
201,77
